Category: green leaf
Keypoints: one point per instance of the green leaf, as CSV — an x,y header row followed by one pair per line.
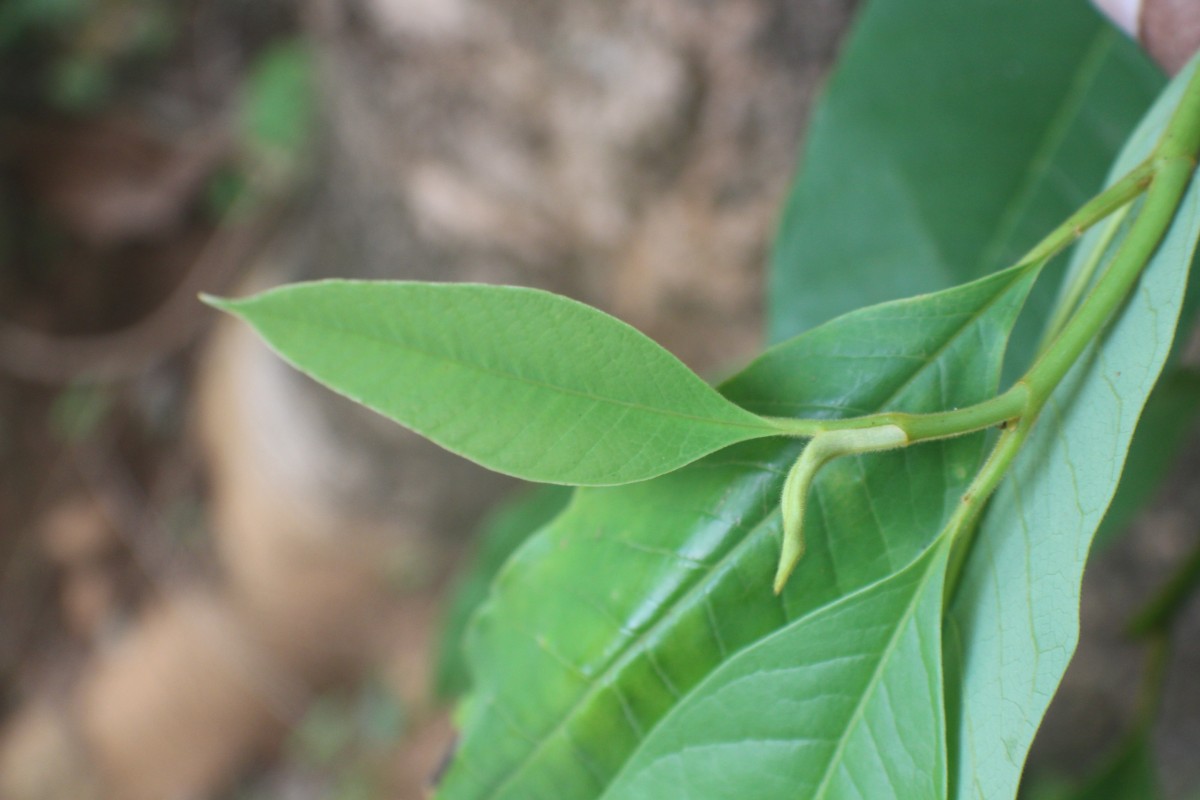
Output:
x,y
952,136
501,534
1014,620
609,616
519,380
844,702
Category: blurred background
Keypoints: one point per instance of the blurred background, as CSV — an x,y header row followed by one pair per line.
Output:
x,y
217,580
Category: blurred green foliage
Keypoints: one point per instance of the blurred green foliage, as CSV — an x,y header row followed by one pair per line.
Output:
x,y
278,104
67,53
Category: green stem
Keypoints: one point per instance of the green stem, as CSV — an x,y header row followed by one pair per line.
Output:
x,y
1164,178
1174,162
921,427
1111,290
962,525
1114,197
1082,279
1010,404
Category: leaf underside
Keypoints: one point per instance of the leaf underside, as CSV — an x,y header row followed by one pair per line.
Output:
x,y
658,585
1014,621
519,380
633,647
951,137
613,614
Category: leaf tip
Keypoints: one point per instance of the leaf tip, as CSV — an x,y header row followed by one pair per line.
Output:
x,y
792,502
793,551
220,303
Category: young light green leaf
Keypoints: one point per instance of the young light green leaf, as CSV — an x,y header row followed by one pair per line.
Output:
x,y
951,137
844,702
519,380
1014,620
610,615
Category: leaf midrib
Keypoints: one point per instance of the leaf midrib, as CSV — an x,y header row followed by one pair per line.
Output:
x,y
876,677
1018,274
619,659
762,429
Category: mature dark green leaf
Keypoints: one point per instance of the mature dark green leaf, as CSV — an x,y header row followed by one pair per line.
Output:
x,y
844,702
522,381
1014,620
952,137
609,616
501,534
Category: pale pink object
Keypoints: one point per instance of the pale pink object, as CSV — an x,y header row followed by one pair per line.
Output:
x,y
1169,30
1124,13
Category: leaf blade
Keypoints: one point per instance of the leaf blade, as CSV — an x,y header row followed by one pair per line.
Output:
x,y
519,380
861,683
1168,420
950,138
656,583
1014,620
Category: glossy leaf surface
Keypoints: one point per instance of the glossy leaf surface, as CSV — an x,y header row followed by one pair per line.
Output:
x,y
1014,621
521,381
612,614
951,137
844,702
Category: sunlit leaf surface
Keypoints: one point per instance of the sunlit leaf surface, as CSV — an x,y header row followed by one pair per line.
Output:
x,y
522,381
610,616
